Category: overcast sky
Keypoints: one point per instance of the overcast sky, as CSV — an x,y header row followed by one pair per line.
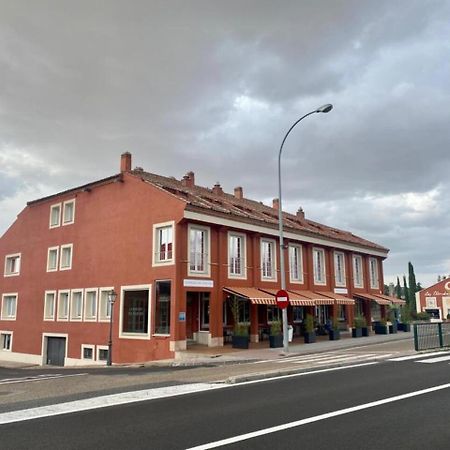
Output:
x,y
213,86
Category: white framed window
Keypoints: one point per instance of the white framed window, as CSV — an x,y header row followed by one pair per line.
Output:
x,y
102,353
88,352
339,269
55,215
358,278
373,271
164,245
68,212
268,260
63,305
135,311
76,304
66,257
12,265
237,265
6,341
49,305
9,306
52,259
319,269
199,244
104,306
295,263
90,304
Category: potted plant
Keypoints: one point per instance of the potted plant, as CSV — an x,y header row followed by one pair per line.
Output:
x,y
335,334
381,327
392,322
276,335
310,334
358,323
240,338
364,328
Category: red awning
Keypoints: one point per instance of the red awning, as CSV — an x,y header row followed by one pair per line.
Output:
x,y
255,296
295,299
394,300
318,299
340,299
373,298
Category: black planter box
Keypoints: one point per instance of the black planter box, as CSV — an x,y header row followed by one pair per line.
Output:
x,y
393,328
239,341
356,332
335,335
310,337
381,329
365,331
406,327
276,341
400,327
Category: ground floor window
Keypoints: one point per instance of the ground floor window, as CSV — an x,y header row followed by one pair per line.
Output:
x,y
244,312
297,314
341,313
5,341
162,307
135,312
204,310
88,352
375,311
359,307
273,314
102,353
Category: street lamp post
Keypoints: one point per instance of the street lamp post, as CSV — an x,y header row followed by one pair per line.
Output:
x,y
111,299
322,109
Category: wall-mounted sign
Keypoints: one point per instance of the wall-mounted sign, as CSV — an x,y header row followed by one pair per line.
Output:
x,y
187,282
340,290
182,316
430,302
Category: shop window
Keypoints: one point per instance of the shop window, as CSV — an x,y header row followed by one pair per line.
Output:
x,y
297,314
135,312
162,307
273,314
204,310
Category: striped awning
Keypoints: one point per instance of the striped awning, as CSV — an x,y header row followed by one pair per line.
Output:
x,y
318,299
339,299
373,298
394,300
255,296
295,299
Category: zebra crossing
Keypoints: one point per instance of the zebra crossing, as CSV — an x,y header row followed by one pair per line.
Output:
x,y
42,377
425,358
354,357
329,358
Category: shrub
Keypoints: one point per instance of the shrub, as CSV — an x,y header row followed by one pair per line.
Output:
x,y
309,323
423,316
275,328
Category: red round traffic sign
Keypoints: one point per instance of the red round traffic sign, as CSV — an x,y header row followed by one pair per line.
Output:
x,y
282,298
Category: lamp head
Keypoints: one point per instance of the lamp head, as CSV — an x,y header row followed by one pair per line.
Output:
x,y
325,108
112,296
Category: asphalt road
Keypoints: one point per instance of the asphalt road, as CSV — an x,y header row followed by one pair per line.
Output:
x,y
182,422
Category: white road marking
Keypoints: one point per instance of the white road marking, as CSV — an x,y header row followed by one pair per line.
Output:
x,y
434,360
38,378
138,396
417,356
308,420
105,401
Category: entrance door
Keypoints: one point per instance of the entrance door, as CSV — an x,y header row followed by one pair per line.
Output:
x,y
56,351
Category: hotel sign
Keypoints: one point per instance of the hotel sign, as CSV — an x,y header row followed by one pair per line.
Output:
x,y
187,282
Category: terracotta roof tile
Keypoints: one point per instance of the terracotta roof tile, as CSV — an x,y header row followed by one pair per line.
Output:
x,y
248,210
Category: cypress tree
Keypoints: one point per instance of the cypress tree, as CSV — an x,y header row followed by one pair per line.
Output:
x,y
405,291
412,287
398,289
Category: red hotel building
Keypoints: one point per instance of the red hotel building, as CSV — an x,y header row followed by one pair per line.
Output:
x,y
435,300
174,252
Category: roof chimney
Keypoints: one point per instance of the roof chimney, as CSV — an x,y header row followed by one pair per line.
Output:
x,y
189,179
301,213
276,204
238,192
217,189
125,162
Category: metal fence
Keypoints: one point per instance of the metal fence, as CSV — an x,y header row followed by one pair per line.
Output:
x,y
431,335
